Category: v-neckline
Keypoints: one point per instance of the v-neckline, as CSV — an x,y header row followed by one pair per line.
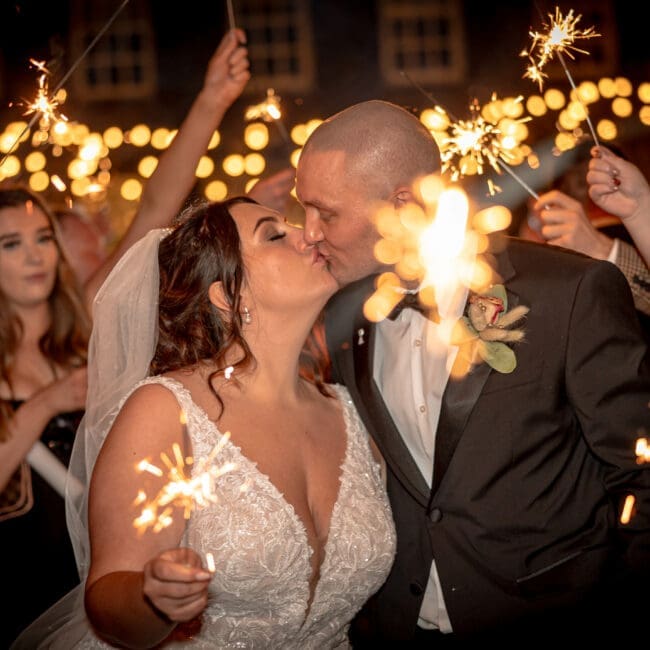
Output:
x,y
311,599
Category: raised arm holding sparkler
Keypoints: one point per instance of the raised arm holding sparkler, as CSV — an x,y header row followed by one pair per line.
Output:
x,y
226,76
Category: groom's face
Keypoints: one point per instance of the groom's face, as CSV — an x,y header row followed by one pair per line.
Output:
x,y
338,215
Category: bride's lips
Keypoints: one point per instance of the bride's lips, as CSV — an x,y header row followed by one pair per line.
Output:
x,y
316,256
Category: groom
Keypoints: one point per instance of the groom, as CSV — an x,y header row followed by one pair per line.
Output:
x,y
506,488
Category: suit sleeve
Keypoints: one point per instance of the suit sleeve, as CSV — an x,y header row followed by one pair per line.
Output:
x,y
608,382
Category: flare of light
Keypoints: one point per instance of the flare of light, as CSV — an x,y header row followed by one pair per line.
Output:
x,y
185,489
642,451
216,190
628,508
267,110
442,242
429,247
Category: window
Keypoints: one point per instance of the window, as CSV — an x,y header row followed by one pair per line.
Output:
x,y
423,39
121,64
280,44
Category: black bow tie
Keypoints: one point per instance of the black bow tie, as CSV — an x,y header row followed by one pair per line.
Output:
x,y
412,301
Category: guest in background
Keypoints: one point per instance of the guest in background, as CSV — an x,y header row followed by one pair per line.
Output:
x,y
44,329
566,216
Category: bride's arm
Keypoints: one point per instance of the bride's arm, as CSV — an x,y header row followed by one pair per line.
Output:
x,y
140,585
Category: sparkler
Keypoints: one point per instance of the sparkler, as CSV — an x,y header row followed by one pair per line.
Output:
x,y
430,247
559,39
476,143
473,142
44,102
231,14
182,489
268,111
642,451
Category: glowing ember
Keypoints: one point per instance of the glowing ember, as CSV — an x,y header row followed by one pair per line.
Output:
x,y
628,506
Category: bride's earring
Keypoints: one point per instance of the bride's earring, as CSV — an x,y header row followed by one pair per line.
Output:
x,y
247,316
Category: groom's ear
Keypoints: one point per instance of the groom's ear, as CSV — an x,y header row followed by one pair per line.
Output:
x,y
401,196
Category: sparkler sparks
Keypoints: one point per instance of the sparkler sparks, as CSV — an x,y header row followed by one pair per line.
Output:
x,y
642,451
483,141
44,105
268,111
186,490
559,39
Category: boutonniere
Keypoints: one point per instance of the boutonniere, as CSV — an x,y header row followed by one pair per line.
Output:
x,y
486,328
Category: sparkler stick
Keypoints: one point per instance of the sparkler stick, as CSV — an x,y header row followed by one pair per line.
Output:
x,y
231,14
570,78
66,76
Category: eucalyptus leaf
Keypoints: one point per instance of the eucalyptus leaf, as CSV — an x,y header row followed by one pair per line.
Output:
x,y
499,356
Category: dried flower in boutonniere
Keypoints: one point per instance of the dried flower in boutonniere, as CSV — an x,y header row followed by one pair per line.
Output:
x,y
486,328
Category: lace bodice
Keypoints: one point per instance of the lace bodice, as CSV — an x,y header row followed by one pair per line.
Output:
x,y
260,590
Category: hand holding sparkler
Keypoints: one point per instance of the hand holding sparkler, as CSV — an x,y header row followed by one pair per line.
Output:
x,y
176,584
228,72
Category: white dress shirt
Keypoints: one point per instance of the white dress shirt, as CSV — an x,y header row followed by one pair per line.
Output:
x,y
412,364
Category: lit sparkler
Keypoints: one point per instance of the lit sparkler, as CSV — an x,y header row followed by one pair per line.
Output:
x,y
45,105
479,142
268,111
559,39
642,451
431,248
186,490
40,65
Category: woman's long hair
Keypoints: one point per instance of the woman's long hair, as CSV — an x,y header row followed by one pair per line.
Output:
x,y
204,248
65,342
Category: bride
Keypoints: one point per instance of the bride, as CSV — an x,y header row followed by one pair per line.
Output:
x,y
299,528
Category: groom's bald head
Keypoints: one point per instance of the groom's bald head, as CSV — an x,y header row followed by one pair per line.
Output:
x,y
384,145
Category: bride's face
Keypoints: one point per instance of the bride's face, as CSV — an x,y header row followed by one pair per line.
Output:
x,y
282,272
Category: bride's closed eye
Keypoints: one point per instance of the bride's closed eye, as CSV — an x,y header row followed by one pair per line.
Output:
x,y
277,236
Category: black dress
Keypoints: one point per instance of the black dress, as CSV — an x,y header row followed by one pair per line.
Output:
x,y
38,560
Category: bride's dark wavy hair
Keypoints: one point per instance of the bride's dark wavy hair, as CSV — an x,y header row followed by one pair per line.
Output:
x,y
203,248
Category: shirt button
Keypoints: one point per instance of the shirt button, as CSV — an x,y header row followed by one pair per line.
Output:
x,y
423,408
418,343
436,515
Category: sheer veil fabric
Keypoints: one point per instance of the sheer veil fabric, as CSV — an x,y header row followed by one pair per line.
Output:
x,y
122,343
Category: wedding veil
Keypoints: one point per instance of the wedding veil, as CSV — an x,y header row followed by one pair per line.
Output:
x,y
122,343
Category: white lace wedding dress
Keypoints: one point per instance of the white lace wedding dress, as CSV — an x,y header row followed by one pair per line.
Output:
x,y
260,590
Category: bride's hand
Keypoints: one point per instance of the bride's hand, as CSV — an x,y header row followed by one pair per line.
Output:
x,y
176,584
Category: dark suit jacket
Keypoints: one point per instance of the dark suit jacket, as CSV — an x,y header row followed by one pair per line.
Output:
x,y
531,467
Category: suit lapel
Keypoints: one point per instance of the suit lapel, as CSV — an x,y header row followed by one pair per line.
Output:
x,y
461,395
377,416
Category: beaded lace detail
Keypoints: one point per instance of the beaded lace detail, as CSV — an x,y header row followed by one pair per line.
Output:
x,y
260,590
